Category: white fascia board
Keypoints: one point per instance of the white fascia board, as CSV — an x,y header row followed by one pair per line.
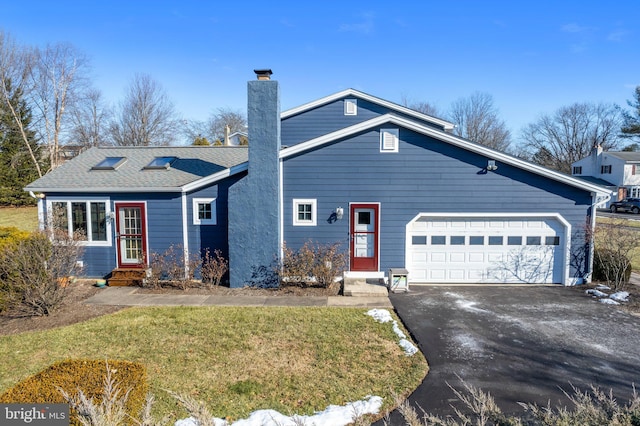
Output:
x,y
208,180
352,92
445,137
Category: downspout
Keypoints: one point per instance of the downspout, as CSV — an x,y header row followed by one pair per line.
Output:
x,y
185,236
594,197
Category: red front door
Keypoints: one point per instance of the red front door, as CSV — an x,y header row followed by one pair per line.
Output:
x,y
364,227
131,235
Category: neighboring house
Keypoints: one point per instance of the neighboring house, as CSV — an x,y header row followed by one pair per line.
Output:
x,y
618,171
393,186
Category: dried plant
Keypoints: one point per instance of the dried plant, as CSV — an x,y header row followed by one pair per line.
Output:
x,y
313,263
36,272
214,267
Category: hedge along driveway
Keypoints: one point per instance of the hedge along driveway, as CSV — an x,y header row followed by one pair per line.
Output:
x,y
236,360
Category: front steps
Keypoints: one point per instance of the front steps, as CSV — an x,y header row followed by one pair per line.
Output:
x,y
364,284
127,277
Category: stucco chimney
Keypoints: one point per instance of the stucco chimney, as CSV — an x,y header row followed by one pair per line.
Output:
x,y
254,202
227,130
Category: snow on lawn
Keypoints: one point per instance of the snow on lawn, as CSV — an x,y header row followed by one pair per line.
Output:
x,y
608,301
383,316
334,415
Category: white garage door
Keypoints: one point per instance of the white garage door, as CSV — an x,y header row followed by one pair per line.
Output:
x,y
528,249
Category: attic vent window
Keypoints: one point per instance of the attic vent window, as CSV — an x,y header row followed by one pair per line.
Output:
x,y
389,140
109,163
160,163
350,107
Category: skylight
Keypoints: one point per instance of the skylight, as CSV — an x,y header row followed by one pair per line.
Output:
x,y
109,163
160,163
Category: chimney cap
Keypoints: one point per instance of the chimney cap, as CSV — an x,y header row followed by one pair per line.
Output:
x,y
263,74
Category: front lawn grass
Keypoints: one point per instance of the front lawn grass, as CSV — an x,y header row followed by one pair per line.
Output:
x,y
235,360
24,218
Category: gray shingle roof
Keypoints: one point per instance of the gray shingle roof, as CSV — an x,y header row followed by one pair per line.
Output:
x,y
626,156
192,164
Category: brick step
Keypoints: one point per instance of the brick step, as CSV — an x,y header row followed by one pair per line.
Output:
x,y
126,277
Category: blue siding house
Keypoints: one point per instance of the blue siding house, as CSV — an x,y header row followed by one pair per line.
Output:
x,y
394,187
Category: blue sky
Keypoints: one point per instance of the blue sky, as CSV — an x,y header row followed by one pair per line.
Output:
x,y
532,57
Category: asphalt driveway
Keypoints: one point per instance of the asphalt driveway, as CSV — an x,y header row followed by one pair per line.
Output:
x,y
518,343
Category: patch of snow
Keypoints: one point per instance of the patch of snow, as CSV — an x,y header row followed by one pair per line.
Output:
x,y
334,415
384,316
621,296
380,315
602,287
596,293
608,301
409,348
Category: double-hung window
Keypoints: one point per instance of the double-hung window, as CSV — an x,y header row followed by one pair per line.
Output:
x,y
85,220
304,212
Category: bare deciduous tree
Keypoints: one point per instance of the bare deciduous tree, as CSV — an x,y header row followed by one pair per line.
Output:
x,y
421,106
146,117
90,120
571,133
15,68
57,79
476,118
213,129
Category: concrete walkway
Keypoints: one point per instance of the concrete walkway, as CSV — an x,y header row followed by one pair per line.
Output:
x,y
129,296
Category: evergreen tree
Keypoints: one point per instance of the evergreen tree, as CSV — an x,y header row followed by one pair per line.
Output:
x,y
16,166
631,127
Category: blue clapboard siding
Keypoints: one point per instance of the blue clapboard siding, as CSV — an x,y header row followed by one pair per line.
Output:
x,y
329,118
426,175
212,237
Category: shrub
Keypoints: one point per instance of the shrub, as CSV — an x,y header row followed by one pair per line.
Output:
x,y
33,271
10,236
312,263
214,267
615,244
90,377
170,267
611,266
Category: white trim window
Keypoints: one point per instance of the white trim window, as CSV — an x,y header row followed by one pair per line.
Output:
x,y
304,212
350,107
389,140
204,211
88,220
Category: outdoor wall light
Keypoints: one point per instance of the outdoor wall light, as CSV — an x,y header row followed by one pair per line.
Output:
x,y
491,165
339,213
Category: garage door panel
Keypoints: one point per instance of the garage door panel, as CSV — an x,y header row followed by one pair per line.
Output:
x,y
438,257
479,250
457,257
476,257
